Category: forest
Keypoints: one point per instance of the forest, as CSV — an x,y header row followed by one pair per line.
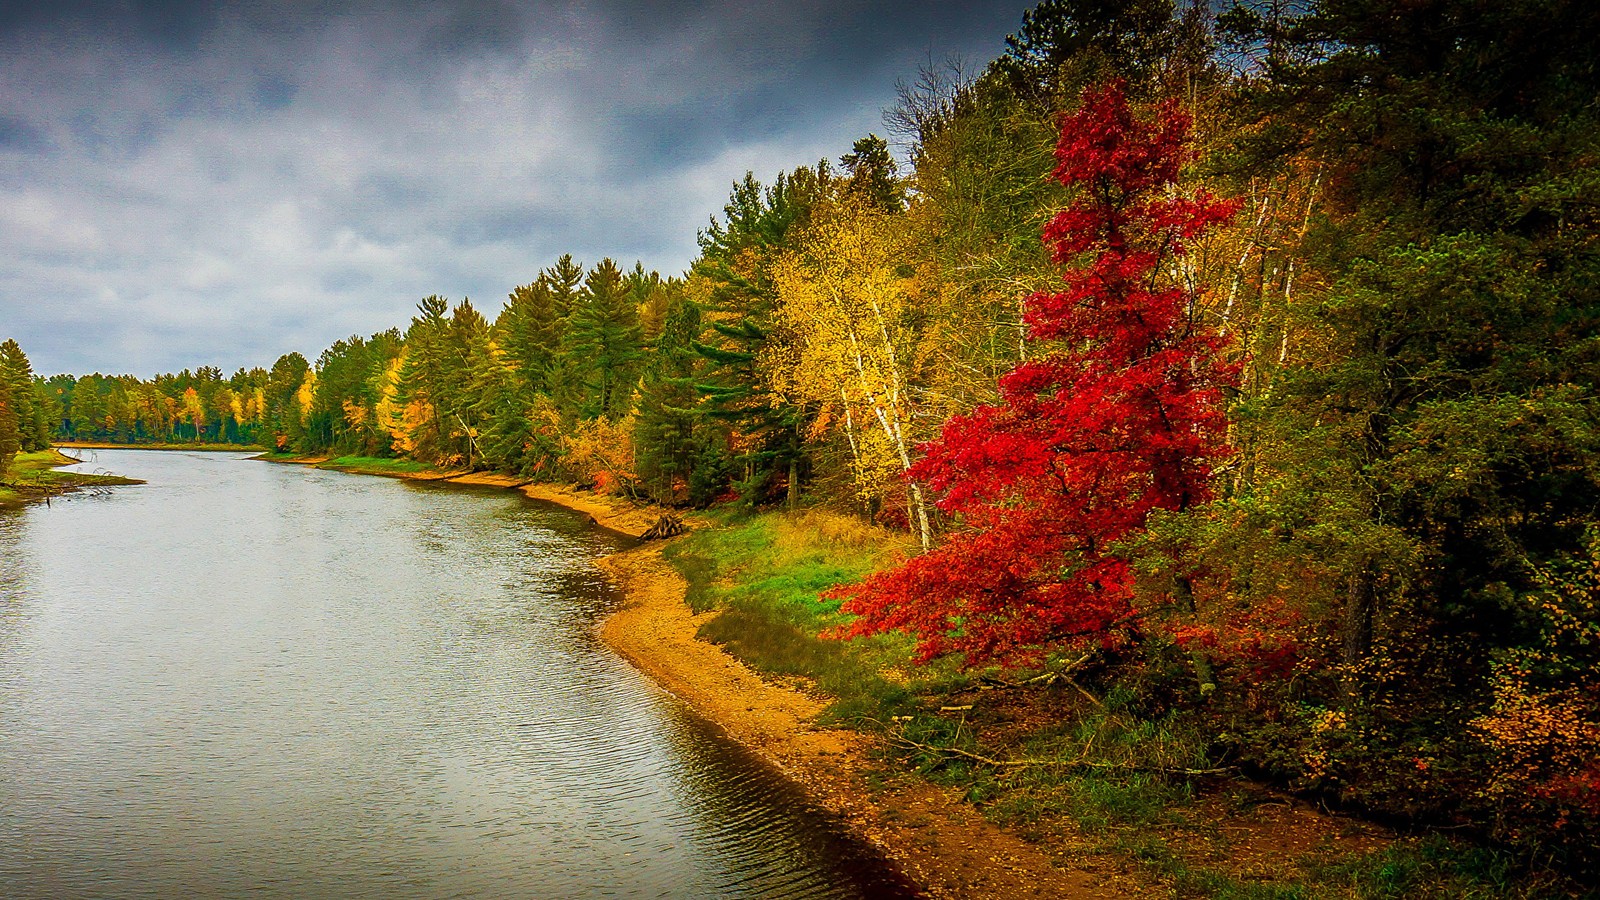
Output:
x,y
1245,362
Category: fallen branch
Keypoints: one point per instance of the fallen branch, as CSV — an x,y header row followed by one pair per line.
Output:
x,y
1049,678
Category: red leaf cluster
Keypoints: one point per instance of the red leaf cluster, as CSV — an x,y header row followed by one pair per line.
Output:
x,y
1120,414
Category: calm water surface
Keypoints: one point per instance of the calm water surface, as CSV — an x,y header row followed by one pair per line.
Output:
x,y
255,680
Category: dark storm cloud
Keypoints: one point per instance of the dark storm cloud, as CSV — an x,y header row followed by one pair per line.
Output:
x,y
194,183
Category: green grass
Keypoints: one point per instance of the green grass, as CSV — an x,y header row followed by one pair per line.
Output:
x,y
765,574
375,465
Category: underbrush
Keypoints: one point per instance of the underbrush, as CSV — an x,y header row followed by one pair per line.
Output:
x,y
1102,766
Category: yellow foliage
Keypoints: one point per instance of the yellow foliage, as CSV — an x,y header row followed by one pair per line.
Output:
x,y
852,343
193,408
355,415
601,451
387,414
306,393
413,418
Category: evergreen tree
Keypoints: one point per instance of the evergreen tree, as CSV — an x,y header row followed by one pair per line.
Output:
x,y
1065,45
604,344
667,431
565,280
475,381
33,428
871,174
422,379
282,411
10,437
530,331
736,259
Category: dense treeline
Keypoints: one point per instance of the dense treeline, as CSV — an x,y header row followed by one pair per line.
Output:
x,y
1382,590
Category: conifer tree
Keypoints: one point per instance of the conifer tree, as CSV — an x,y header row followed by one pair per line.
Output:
x,y
667,431
530,331
281,413
422,379
10,439
604,343
736,259
33,429
871,175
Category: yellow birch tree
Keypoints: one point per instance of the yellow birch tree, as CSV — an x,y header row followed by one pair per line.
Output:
x,y
850,342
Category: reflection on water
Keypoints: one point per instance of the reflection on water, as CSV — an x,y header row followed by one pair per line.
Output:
x,y
250,679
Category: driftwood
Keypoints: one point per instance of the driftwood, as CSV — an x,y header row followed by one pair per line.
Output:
x,y
665,527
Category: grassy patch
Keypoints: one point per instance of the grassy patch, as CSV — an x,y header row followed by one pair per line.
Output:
x,y
375,465
765,574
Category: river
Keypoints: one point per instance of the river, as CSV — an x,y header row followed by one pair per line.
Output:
x,y
253,680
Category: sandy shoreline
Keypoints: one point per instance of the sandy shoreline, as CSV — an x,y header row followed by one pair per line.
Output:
x,y
930,833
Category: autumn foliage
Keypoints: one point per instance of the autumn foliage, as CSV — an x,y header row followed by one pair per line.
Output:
x,y
1119,414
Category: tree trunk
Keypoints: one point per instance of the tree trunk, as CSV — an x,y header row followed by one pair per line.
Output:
x,y
1356,629
794,483
1203,673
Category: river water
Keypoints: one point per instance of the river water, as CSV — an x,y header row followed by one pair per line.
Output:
x,y
255,680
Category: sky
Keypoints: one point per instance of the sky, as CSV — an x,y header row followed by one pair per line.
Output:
x,y
186,184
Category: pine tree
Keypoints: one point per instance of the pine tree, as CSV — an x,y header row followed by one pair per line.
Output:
x,y
736,259
10,439
604,344
33,428
282,415
530,331
668,430
871,175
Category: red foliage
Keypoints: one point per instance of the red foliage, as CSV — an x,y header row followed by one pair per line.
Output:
x,y
1121,414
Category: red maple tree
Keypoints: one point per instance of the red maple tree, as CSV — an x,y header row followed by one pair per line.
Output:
x,y
1120,414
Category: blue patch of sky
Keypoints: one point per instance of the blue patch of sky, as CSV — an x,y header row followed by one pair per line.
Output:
x,y
273,92
18,135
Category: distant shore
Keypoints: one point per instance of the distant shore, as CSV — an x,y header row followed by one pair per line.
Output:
x,y
112,445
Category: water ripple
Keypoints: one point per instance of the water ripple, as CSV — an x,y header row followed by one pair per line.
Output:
x,y
246,680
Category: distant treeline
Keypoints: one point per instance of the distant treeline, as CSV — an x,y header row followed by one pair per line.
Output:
x,y
1387,586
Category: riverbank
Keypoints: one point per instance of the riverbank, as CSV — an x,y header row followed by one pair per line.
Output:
x,y
940,841
728,618
33,477
937,839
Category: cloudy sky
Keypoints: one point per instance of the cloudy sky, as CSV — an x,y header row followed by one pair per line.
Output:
x,y
188,184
